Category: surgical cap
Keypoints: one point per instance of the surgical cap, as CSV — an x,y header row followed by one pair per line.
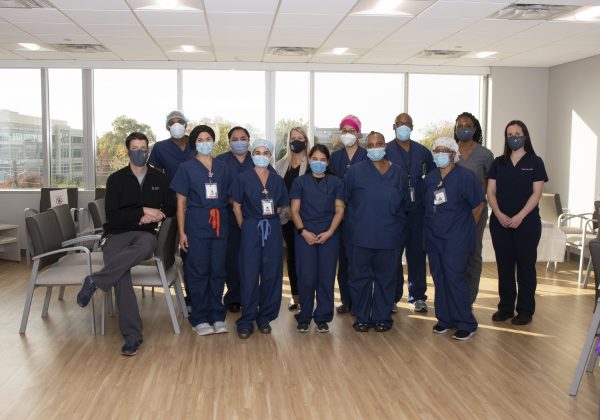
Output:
x,y
176,114
352,121
264,143
449,143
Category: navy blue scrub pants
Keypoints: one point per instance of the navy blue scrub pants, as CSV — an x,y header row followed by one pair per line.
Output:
x,y
516,247
316,275
372,284
232,296
261,272
343,269
415,261
452,305
474,265
205,271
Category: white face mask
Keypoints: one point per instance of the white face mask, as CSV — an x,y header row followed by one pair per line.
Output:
x,y
348,139
177,130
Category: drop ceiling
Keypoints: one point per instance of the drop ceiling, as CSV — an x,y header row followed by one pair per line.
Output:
x,y
248,30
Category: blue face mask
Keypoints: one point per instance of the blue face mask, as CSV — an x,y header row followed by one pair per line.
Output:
x,y
177,130
441,160
239,147
138,157
376,153
317,167
403,133
204,148
260,161
465,134
515,142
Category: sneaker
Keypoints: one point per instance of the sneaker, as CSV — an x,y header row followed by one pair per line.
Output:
x,y
303,327
234,307
220,327
394,308
204,329
244,333
343,309
500,316
463,335
322,327
438,329
361,326
382,327
265,328
521,319
293,306
131,349
420,306
87,291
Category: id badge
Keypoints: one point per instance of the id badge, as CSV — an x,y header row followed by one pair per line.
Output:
x,y
211,191
439,196
411,192
267,206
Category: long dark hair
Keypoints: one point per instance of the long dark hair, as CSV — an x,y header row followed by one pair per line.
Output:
x,y
196,132
528,146
323,149
478,135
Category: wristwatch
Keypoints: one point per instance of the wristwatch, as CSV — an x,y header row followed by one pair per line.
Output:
x,y
300,230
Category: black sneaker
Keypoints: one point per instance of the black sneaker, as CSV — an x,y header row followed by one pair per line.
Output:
x,y
382,327
463,335
500,316
87,291
438,329
521,319
265,328
322,327
244,333
303,327
234,307
131,349
361,326
343,309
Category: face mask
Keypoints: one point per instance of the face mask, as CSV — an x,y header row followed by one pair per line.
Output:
x,y
239,147
317,167
204,148
177,130
441,160
348,139
138,157
376,154
403,133
260,161
515,142
297,146
465,134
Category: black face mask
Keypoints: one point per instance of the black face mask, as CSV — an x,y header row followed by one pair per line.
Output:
x,y
297,146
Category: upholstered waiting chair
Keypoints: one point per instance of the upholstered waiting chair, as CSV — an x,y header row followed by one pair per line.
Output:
x,y
47,271
97,213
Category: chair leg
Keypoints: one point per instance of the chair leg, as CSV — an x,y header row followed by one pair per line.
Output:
x,y
61,293
587,273
152,291
180,299
580,268
29,297
587,349
143,292
168,298
46,302
93,309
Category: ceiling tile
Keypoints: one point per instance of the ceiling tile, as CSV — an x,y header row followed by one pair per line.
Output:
x,y
431,30
90,4
237,21
380,23
52,28
240,6
71,39
316,6
306,22
189,57
458,9
176,42
33,16
85,17
94,56
116,30
44,55
178,31
171,18
355,38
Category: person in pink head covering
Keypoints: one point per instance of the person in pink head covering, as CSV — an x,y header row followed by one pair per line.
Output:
x,y
341,160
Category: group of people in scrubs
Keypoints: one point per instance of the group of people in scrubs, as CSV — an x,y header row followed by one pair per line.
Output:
x,y
352,214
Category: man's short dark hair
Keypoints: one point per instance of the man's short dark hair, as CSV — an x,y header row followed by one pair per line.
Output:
x,y
135,136
237,128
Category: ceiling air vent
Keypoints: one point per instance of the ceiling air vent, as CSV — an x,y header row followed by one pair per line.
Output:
x,y
80,48
441,54
293,51
25,4
526,11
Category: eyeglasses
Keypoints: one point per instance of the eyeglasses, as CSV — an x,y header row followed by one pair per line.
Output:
x,y
350,131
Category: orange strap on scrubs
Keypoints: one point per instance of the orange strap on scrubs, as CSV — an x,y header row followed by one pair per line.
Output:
x,y
214,219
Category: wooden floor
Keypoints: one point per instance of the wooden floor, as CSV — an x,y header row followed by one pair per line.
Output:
x,y
59,370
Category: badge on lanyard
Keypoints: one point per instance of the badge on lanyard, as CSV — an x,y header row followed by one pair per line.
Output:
x,y
267,206
439,196
411,191
212,193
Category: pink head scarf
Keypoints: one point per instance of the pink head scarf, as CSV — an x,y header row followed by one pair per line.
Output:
x,y
352,121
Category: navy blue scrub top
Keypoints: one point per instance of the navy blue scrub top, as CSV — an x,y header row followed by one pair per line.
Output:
x,y
416,163
190,181
449,227
375,206
317,200
514,184
167,156
230,159
248,191
340,163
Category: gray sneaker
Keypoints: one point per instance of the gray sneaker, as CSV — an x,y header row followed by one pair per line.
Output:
x,y
420,306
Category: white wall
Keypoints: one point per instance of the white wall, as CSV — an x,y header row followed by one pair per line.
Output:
x,y
573,131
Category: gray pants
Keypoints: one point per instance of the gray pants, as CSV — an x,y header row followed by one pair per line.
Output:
x,y
121,252
473,269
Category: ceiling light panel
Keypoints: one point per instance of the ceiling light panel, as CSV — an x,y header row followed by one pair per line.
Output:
x,y
391,7
183,5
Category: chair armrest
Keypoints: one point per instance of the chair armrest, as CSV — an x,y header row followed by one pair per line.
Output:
x,y
582,217
79,239
63,251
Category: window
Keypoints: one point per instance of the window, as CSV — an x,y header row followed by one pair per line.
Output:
x,y
435,100
292,95
127,101
21,145
375,98
223,99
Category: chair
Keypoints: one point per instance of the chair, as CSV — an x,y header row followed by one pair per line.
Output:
x,y
97,213
49,269
550,207
99,193
164,273
579,237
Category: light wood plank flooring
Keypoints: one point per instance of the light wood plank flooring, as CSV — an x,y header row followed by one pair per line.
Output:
x,y
59,370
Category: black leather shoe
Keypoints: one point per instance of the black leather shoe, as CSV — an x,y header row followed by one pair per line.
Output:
x,y
343,309
361,326
265,328
500,316
382,327
521,319
292,306
244,333
234,307
87,291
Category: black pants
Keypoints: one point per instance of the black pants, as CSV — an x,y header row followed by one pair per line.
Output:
x,y
516,248
290,257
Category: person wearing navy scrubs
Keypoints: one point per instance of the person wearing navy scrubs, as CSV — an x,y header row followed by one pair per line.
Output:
x,y
453,205
317,209
375,222
239,160
341,161
258,195
202,185
416,162
515,184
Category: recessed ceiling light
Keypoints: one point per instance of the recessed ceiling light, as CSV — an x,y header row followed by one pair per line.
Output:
x,y
188,48
583,14
167,5
380,7
339,51
30,46
485,54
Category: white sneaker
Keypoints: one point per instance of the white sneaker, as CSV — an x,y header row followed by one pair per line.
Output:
x,y
220,327
204,329
420,306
